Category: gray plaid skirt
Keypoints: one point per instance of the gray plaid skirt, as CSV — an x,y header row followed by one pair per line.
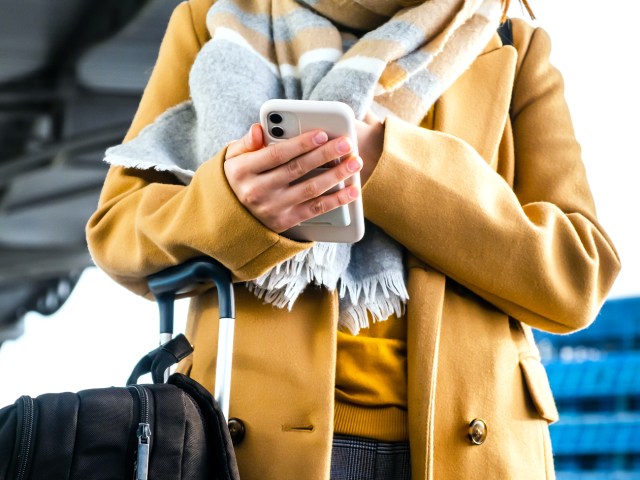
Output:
x,y
355,458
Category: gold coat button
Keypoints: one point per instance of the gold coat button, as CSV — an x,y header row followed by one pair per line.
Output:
x,y
477,431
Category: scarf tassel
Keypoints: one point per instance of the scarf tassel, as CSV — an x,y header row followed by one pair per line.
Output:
x,y
384,295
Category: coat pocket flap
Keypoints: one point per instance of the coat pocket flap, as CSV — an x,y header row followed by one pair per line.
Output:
x,y
538,384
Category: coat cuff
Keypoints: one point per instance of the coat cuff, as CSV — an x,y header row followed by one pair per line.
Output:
x,y
246,246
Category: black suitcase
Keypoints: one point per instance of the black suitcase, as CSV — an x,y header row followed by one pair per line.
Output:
x,y
171,429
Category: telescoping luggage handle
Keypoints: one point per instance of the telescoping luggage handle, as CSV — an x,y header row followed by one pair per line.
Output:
x,y
166,284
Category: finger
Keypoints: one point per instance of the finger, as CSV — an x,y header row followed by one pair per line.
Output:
x,y
282,152
294,204
298,167
251,142
323,204
321,181
289,197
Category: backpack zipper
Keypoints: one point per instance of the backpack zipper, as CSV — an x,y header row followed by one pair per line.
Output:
x,y
26,439
144,435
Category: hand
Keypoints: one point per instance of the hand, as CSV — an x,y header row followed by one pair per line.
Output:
x,y
370,134
264,178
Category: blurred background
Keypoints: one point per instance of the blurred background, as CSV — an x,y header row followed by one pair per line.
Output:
x,y
71,75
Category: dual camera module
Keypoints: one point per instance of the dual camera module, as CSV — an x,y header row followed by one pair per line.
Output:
x,y
277,131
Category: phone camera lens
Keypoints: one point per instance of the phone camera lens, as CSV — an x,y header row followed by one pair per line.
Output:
x,y
277,132
275,118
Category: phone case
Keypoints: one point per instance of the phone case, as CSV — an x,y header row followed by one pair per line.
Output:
x,y
282,119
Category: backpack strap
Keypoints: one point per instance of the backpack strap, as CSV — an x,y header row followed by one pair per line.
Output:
x,y
505,30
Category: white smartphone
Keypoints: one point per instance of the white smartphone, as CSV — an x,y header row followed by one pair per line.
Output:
x,y
282,119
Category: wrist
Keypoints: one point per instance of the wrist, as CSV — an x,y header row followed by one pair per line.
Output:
x,y
371,150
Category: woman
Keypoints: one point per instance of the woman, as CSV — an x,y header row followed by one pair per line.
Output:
x,y
474,180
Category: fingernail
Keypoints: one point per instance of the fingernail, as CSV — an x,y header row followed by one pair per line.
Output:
x,y
344,145
353,192
353,165
320,138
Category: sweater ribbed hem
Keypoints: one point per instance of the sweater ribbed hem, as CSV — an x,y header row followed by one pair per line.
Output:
x,y
387,424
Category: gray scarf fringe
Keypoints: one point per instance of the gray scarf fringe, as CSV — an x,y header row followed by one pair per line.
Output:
x,y
368,290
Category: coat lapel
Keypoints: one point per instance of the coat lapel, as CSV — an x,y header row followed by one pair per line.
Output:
x,y
476,106
424,313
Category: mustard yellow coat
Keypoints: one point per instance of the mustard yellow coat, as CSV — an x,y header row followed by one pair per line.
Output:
x,y
501,233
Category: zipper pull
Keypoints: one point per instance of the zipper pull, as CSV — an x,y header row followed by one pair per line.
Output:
x,y
144,442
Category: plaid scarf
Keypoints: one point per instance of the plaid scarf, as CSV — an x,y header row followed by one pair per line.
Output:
x,y
369,54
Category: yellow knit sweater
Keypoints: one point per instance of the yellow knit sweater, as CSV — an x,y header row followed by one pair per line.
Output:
x,y
371,382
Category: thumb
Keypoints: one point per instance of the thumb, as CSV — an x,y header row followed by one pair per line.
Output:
x,y
251,142
254,139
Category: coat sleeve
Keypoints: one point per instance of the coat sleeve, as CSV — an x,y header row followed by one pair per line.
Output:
x,y
535,251
145,221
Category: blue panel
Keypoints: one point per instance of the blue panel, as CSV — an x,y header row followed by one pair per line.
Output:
x,y
612,376
603,435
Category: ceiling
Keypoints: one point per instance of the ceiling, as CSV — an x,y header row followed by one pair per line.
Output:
x,y
71,75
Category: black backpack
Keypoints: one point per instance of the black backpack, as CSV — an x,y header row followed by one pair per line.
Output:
x,y
162,431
